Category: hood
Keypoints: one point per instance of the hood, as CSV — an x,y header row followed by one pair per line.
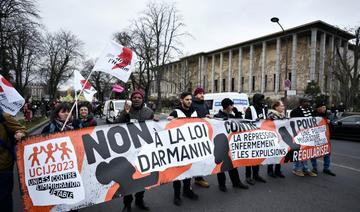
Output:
x,y
258,100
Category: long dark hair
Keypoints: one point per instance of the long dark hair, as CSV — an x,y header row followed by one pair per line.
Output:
x,y
62,106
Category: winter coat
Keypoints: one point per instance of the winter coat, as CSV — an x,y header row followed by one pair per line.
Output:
x,y
300,112
184,113
8,127
274,115
88,122
142,114
201,107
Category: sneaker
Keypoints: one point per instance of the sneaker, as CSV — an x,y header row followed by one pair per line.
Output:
x,y
250,181
328,172
271,174
241,185
315,171
280,175
177,201
202,183
222,188
260,179
191,195
298,173
310,173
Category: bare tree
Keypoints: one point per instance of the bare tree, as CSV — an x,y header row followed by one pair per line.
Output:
x,y
62,50
155,37
99,80
141,43
346,71
24,54
13,12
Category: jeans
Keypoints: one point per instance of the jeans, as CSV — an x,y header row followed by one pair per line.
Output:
x,y
326,162
301,166
6,187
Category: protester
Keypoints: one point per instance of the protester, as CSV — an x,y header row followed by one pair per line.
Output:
x,y
58,118
341,110
276,113
229,111
255,112
85,119
184,110
11,131
43,105
320,111
27,111
136,111
303,110
202,110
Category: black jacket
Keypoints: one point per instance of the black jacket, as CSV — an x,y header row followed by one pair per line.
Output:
x,y
222,114
259,112
187,113
201,108
300,112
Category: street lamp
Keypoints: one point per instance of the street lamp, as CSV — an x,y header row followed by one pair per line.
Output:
x,y
276,20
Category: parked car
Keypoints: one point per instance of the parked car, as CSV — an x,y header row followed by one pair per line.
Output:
x,y
213,100
112,109
346,128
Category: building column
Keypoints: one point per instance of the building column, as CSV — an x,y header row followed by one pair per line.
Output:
x,y
277,65
313,54
251,66
205,71
221,70
294,62
263,66
199,72
240,69
331,68
212,73
230,71
322,62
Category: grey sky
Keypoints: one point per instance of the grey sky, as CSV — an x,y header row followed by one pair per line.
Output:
x,y
212,23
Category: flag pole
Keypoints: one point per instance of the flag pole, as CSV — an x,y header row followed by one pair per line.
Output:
x,y
76,99
76,105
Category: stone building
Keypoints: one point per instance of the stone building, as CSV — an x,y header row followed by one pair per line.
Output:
x,y
36,91
300,54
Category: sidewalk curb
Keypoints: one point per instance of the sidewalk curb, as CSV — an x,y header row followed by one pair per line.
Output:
x,y
31,130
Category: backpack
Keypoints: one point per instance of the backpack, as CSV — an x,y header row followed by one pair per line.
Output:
x,y
7,145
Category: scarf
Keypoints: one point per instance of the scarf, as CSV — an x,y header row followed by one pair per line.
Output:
x,y
59,124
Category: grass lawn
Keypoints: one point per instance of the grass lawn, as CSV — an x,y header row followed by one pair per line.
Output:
x,y
35,121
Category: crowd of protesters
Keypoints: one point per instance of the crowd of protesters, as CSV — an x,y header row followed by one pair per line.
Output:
x,y
191,105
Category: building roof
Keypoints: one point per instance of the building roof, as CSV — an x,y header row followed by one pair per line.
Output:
x,y
315,24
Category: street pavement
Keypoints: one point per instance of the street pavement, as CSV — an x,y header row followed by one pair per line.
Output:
x,y
322,193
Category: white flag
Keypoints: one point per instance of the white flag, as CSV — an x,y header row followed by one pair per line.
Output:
x,y
76,82
117,60
79,82
10,100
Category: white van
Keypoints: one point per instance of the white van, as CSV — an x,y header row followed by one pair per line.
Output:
x,y
213,100
112,108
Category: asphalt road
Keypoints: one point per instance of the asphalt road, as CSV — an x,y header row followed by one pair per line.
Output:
x,y
322,193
